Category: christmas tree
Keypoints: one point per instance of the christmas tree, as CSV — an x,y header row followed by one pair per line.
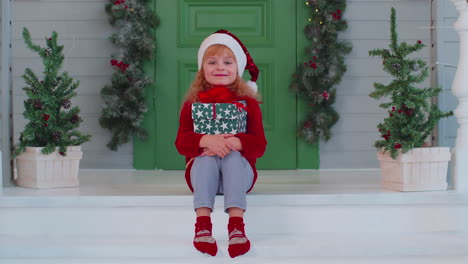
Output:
x,y
52,123
315,78
411,117
124,101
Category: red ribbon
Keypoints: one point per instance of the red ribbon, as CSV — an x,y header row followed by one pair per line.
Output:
x,y
221,94
218,94
240,105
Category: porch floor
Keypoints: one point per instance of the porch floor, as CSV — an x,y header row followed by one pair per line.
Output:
x,y
166,182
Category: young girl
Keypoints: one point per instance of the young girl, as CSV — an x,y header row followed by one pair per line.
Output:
x,y
222,163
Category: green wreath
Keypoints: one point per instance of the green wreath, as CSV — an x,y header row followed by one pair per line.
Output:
x,y
324,68
124,103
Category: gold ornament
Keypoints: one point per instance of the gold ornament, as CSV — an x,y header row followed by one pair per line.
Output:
x,y
310,19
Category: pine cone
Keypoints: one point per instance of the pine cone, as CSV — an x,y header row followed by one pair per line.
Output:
x,y
75,119
56,135
38,104
66,103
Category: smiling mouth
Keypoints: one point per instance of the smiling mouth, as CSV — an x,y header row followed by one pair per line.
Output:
x,y
218,75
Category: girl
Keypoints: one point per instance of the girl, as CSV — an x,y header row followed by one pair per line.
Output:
x,y
222,163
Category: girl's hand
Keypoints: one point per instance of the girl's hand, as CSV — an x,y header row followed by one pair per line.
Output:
x,y
218,144
207,152
234,143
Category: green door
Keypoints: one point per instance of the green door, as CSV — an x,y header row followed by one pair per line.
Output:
x,y
267,28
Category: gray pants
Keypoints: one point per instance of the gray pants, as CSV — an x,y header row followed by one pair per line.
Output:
x,y
231,176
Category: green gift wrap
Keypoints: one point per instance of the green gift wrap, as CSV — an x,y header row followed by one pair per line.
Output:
x,y
219,118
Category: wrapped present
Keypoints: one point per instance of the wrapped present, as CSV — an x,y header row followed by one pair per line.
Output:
x,y
219,118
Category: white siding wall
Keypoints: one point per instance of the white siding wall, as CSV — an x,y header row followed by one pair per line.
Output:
x,y
83,29
447,52
1,68
369,27
1,120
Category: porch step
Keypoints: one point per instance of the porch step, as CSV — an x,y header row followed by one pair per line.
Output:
x,y
320,245
250,260
366,228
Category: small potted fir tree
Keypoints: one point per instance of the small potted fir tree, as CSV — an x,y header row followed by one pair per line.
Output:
x,y
406,165
49,152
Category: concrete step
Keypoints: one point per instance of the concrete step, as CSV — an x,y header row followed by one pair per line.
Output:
x,y
251,260
286,214
320,245
366,228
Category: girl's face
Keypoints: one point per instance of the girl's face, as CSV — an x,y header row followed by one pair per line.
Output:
x,y
220,68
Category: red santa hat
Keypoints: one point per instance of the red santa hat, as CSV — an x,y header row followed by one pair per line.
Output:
x,y
243,58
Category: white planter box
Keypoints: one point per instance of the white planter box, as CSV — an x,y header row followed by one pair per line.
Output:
x,y
36,170
420,169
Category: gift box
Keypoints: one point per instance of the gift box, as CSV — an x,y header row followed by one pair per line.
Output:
x,y
219,118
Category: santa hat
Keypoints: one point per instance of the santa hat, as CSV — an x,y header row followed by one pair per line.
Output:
x,y
243,58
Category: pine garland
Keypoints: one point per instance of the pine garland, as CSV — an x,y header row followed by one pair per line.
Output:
x,y
124,98
49,125
315,79
411,117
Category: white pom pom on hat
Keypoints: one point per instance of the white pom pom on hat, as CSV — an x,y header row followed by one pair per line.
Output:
x,y
243,58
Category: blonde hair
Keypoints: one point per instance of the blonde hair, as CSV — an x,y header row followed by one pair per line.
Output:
x,y
239,86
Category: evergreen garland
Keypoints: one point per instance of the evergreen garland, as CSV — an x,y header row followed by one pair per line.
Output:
x,y
124,97
411,115
50,126
315,78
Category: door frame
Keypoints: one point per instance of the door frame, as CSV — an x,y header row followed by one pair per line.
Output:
x,y
144,152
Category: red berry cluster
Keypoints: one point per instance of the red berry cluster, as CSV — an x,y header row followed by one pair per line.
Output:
x,y
120,64
46,118
406,110
120,2
307,124
337,14
397,145
386,136
326,95
311,63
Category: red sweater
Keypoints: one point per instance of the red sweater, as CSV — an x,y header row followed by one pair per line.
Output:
x,y
253,141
